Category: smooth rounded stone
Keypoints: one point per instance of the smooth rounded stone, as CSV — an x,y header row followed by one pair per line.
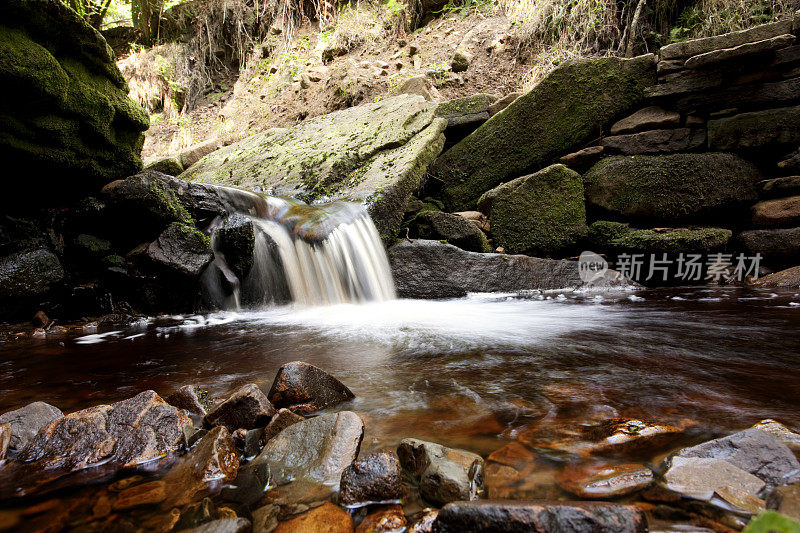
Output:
x,y
423,522
246,408
772,131
327,518
606,235
181,249
584,159
191,155
785,278
778,212
374,478
145,494
672,188
189,397
656,142
236,241
318,448
433,270
489,516
454,229
543,213
5,440
753,451
560,114
785,500
649,118
304,388
699,478
170,165
388,519
604,481
445,474
781,187
214,459
24,423
776,429
226,525
147,197
772,243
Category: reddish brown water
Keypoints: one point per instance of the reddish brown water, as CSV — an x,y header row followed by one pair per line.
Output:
x,y
473,373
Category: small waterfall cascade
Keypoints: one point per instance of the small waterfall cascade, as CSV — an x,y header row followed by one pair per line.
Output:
x,y
274,250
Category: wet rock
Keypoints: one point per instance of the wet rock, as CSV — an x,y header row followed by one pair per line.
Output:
x,y
282,420
785,500
452,228
778,212
785,278
322,155
431,270
445,474
561,114
584,159
226,525
213,459
28,274
740,52
700,478
542,213
236,242
567,517
656,142
600,481
772,243
125,433
753,451
24,423
189,397
305,388
327,517
605,235
671,188
788,437
146,198
250,483
385,520
246,408
318,449
781,187
773,130
265,518
5,440
81,129
145,494
423,523
695,47
182,249
649,118
374,478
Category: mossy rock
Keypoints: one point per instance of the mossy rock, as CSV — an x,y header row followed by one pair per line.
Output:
x,y
180,249
236,239
450,228
170,165
543,213
772,522
562,113
619,237
672,188
66,117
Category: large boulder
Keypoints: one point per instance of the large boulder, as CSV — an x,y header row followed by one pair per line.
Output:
x,y
672,188
376,154
616,236
772,243
444,474
180,249
66,117
374,478
773,131
246,408
563,112
26,422
431,269
305,388
543,213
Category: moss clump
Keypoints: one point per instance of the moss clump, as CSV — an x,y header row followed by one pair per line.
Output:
x,y
615,236
564,111
671,188
543,213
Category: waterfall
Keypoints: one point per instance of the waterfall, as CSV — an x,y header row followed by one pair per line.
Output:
x,y
307,255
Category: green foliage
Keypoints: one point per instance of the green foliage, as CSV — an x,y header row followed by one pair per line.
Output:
x,y
772,522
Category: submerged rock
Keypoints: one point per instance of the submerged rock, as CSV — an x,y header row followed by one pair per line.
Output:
x,y
431,270
25,422
374,153
604,481
562,516
445,474
246,408
374,478
327,517
305,388
317,449
225,525
563,112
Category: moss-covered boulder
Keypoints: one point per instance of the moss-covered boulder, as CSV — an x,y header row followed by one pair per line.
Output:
x,y
616,236
562,113
65,117
450,228
543,213
376,154
672,188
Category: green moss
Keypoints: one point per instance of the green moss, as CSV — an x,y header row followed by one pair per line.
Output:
x,y
615,236
568,109
772,522
28,70
168,202
469,105
543,213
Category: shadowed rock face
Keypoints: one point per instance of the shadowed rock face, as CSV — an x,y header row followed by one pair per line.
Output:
x,y
374,478
247,408
78,128
305,388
